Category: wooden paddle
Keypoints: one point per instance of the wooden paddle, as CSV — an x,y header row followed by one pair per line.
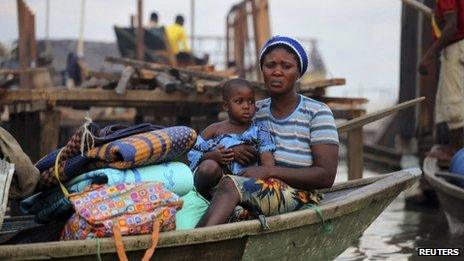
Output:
x,y
368,118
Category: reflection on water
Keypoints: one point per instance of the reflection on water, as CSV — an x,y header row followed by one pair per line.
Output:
x,y
398,231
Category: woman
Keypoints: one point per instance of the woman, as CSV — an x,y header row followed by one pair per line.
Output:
x,y
306,140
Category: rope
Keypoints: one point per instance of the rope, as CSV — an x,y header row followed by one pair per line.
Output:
x,y
98,250
57,175
87,136
327,227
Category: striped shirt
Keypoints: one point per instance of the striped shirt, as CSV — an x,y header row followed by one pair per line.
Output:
x,y
311,123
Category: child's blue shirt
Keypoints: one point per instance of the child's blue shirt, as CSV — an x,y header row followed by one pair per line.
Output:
x,y
256,135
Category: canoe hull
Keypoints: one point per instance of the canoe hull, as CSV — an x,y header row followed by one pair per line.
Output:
x,y
293,236
450,196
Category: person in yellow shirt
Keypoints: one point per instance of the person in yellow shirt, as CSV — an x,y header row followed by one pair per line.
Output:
x,y
177,37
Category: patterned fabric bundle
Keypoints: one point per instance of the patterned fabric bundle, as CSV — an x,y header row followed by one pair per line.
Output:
x,y
163,145
144,148
96,136
131,209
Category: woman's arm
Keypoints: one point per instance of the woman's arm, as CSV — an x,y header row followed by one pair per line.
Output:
x,y
320,175
267,159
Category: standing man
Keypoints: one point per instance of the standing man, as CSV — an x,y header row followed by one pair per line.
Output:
x,y
448,31
177,37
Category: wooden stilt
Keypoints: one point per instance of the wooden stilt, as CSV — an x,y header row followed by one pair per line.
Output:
x,y
49,131
355,154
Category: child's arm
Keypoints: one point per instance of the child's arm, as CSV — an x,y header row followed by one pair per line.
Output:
x,y
202,150
267,159
220,155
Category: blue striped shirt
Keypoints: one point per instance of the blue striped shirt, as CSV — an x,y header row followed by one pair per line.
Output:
x,y
311,123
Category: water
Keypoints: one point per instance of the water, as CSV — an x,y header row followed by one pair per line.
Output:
x,y
400,230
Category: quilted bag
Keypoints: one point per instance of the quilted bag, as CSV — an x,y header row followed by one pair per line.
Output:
x,y
122,209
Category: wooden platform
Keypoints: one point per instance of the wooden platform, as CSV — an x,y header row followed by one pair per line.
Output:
x,y
37,107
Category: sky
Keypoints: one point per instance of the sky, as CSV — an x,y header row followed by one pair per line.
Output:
x,y
358,39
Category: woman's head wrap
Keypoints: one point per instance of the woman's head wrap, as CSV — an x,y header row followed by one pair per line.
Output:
x,y
293,45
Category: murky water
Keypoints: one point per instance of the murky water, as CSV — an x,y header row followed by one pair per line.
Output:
x,y
400,230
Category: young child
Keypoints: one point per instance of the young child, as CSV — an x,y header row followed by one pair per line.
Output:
x,y
213,154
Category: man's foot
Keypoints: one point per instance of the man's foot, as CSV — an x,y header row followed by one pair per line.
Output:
x,y
442,152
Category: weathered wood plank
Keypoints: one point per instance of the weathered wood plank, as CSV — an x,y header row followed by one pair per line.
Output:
x,y
311,86
363,120
66,96
354,102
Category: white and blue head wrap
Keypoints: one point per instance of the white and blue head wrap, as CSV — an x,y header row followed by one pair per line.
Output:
x,y
293,45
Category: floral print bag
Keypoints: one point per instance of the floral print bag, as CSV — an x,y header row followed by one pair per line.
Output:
x,y
120,210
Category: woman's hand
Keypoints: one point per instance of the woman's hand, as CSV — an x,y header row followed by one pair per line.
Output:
x,y
245,154
223,156
257,172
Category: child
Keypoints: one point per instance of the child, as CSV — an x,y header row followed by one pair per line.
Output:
x,y
213,154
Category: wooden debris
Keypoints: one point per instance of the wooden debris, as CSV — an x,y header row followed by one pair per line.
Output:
x,y
104,75
124,81
311,86
6,175
167,83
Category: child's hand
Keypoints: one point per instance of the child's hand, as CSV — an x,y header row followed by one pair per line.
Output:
x,y
223,156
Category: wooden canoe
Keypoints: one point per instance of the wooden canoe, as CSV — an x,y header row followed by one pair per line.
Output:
x,y
349,207
450,196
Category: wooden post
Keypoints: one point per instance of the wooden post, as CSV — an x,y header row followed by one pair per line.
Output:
x,y
80,40
140,31
227,61
49,131
427,84
47,28
192,24
240,37
261,25
355,154
26,43
32,41
23,50
355,151
408,71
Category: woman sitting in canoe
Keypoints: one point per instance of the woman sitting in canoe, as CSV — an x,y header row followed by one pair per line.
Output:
x,y
306,138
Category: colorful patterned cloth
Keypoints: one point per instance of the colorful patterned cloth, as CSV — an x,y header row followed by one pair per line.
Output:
x,y
132,151
105,135
144,148
271,197
50,205
131,207
256,135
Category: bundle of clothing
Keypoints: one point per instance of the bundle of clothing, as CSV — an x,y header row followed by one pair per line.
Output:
x,y
113,155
